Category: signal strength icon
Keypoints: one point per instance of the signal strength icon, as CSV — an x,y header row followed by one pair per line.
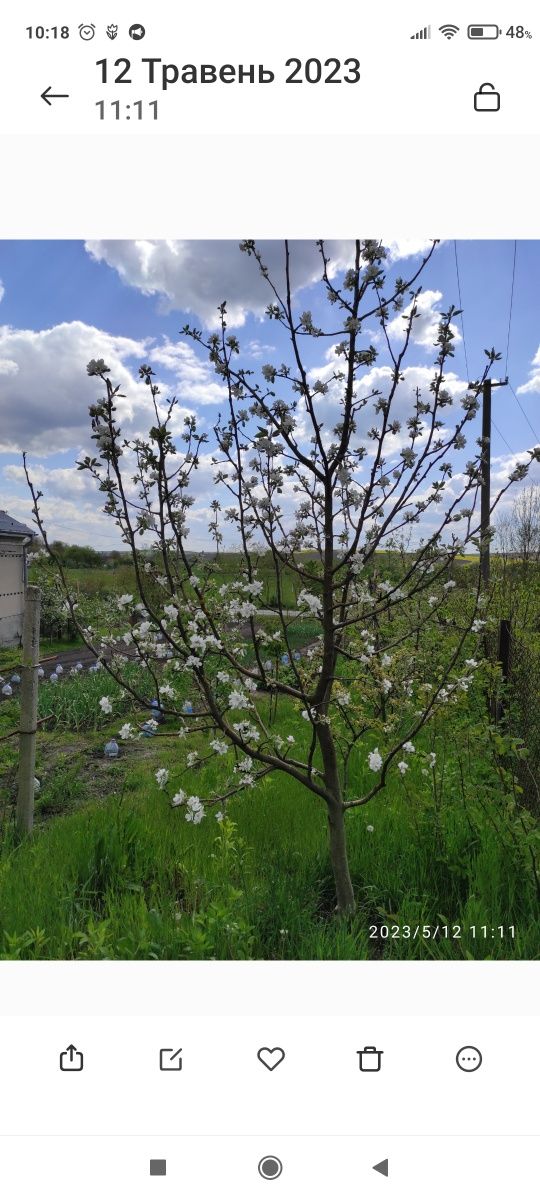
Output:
x,y
422,33
449,31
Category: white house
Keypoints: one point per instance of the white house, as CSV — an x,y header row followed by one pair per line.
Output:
x,y
14,538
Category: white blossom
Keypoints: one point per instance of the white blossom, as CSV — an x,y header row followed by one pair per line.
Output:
x,y
238,699
219,746
308,600
162,777
105,704
374,759
255,588
126,731
194,810
408,748
402,767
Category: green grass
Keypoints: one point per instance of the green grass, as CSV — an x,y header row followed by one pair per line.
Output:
x,y
113,872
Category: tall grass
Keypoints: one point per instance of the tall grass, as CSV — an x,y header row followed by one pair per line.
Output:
x,y
122,875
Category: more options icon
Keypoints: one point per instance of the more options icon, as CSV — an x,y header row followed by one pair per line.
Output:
x,y
469,1058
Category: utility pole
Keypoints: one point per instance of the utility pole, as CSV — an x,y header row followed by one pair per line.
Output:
x,y
485,458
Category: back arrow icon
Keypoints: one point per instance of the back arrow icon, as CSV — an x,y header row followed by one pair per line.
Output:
x,y
47,96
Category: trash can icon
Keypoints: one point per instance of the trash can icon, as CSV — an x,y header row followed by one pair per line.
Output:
x,y
369,1059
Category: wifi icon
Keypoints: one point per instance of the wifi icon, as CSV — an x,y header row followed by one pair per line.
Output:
x,y
449,31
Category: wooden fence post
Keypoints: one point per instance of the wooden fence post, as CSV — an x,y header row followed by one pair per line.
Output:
x,y
29,703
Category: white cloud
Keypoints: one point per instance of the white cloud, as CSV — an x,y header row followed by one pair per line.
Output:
x,y
61,482
425,325
533,382
329,407
8,367
195,380
75,521
503,465
196,276
407,247
257,349
45,393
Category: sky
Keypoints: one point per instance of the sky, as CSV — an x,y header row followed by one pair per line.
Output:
x,y
63,303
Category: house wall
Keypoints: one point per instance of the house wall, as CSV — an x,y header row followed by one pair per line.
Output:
x,y
11,592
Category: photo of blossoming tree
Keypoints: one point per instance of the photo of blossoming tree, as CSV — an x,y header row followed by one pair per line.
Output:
x,y
287,695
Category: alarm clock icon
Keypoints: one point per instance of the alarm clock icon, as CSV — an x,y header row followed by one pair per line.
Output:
x,y
87,32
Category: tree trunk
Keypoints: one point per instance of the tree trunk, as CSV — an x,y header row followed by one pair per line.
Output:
x,y
340,861
336,823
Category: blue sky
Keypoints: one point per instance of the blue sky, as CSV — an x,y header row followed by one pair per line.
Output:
x,y
65,302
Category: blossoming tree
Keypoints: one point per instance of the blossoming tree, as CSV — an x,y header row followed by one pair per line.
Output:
x,y
341,476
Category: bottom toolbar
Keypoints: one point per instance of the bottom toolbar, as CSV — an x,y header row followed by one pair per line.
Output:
x,y
275,1164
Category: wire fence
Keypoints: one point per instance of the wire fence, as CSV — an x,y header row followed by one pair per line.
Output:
x,y
524,713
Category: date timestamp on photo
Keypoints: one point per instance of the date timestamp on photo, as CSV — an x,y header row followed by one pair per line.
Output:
x,y
388,932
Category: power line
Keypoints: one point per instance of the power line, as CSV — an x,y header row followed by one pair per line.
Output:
x,y
516,398
502,437
511,307
496,428
461,307
531,427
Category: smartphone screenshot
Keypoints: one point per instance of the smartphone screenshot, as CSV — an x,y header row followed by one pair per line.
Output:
x,y
269,600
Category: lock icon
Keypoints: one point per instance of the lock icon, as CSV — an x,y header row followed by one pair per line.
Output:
x,y
487,99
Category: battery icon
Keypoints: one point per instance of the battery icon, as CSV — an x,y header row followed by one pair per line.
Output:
x,y
483,33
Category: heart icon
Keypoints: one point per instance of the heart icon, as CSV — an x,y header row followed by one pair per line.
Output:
x,y
270,1058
